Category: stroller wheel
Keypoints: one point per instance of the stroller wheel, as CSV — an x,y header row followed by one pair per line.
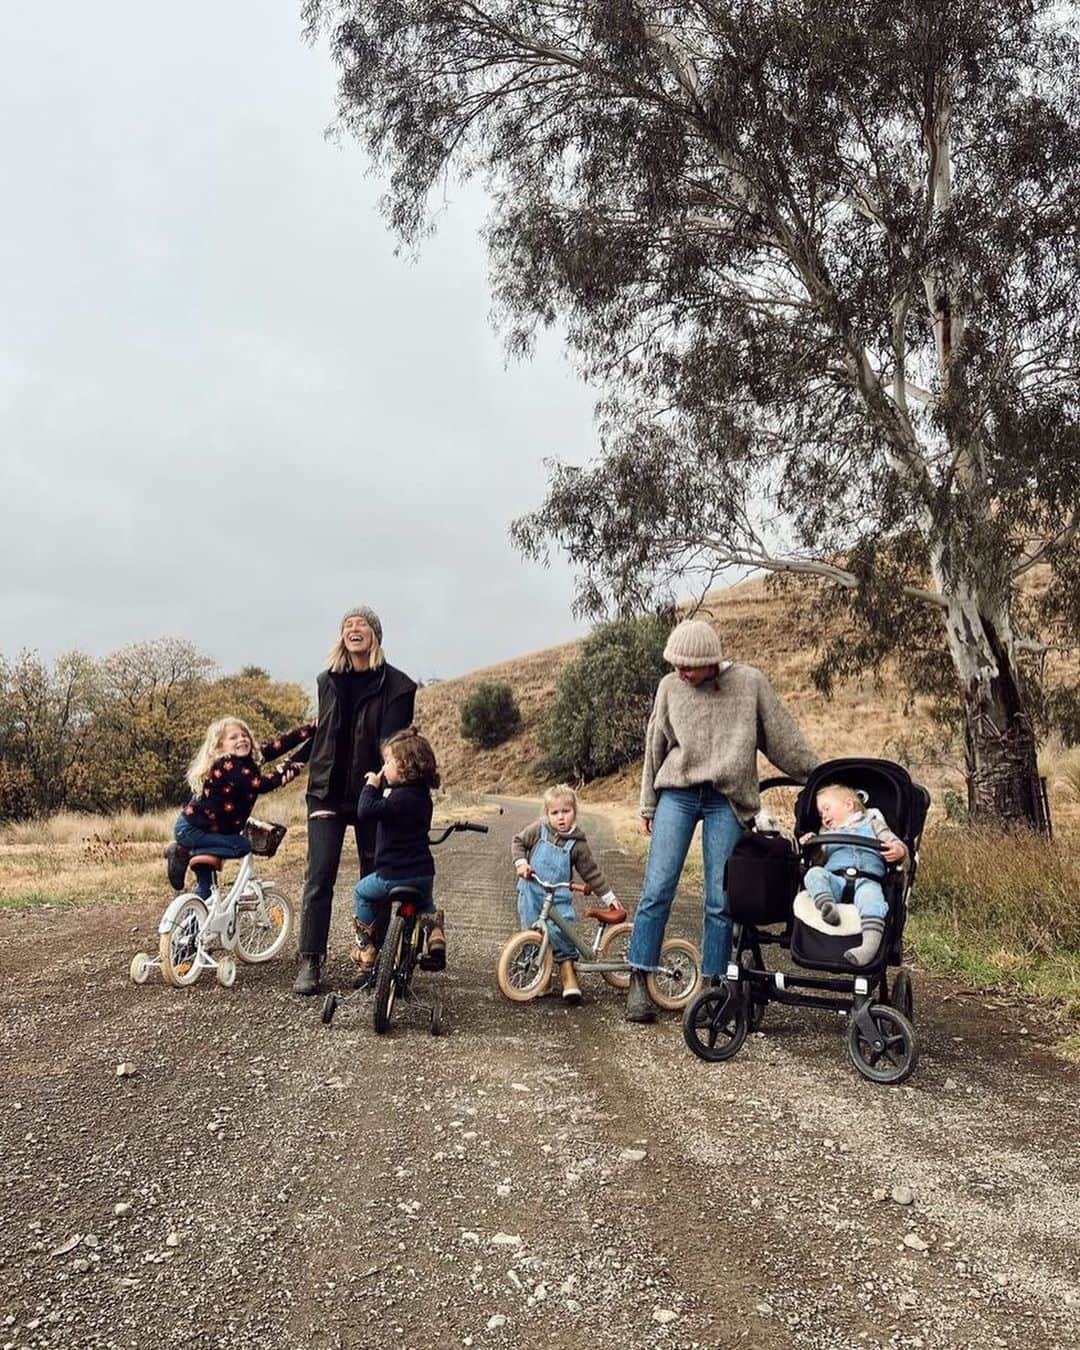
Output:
x,y
891,1055
716,1023
902,998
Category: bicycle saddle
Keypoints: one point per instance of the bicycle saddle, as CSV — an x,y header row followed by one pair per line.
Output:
x,y
206,860
614,914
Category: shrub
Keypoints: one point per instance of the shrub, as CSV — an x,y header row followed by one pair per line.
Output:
x,y
596,722
489,714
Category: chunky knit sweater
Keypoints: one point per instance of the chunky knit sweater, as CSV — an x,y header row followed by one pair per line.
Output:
x,y
712,733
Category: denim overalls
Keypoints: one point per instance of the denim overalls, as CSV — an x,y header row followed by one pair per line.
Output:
x,y
551,862
829,880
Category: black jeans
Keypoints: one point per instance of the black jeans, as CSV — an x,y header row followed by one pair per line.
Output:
x,y
326,837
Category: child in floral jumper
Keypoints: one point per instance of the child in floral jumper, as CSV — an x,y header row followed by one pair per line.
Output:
x,y
551,848
225,777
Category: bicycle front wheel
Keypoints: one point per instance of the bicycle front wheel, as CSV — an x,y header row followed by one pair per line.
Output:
x,y
523,973
389,972
264,922
179,947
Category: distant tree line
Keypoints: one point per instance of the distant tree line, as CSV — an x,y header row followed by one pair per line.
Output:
x,y
118,733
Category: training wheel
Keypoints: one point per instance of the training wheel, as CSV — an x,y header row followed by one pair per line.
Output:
x,y
139,970
438,1019
329,1007
226,972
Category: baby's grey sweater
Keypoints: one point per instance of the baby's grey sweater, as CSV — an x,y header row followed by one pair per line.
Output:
x,y
711,733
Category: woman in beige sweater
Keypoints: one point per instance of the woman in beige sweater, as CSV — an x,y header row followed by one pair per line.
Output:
x,y
709,719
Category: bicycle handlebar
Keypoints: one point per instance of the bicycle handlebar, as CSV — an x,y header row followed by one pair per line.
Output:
x,y
578,886
458,825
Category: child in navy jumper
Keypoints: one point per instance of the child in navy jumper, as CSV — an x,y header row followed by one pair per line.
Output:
x,y
226,776
398,798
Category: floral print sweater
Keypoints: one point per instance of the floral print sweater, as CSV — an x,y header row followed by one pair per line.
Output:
x,y
235,781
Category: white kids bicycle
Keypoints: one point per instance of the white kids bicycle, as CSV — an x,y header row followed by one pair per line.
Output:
x,y
251,920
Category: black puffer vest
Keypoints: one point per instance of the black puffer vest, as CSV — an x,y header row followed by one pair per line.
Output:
x,y
386,708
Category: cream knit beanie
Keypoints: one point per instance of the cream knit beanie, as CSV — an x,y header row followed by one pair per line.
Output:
x,y
693,643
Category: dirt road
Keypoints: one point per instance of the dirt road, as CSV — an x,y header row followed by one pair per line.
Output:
x,y
540,1177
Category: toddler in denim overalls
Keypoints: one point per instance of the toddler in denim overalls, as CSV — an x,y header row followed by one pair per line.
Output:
x,y
842,812
552,848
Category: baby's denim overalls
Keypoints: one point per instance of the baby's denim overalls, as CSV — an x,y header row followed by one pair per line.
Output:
x,y
830,881
550,862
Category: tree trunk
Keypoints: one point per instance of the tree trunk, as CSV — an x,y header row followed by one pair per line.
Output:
x,y
1001,754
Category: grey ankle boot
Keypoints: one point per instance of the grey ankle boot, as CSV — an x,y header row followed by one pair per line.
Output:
x,y
307,977
639,1006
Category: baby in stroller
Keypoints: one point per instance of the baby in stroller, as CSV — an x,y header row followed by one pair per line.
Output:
x,y
847,873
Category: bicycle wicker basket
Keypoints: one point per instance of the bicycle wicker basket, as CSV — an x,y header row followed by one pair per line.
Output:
x,y
264,837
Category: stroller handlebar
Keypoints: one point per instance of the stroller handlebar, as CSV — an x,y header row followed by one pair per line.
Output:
x,y
767,783
853,840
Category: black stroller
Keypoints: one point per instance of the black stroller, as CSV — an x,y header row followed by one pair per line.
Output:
x,y
763,880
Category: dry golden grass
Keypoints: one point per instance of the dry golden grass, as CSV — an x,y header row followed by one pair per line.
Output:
x,y
78,859
774,631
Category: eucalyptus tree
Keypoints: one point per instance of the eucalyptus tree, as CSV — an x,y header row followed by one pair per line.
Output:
x,y
822,264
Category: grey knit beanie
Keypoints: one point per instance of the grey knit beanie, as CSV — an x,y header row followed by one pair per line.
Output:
x,y
693,643
373,620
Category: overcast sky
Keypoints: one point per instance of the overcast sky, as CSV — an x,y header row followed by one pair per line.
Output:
x,y
227,411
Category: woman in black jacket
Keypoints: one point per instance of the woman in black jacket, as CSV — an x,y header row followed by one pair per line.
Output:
x,y
362,702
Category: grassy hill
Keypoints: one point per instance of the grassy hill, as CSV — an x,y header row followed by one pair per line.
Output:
x,y
775,632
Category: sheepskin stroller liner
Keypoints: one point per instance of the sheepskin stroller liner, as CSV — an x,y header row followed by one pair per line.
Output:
x,y
763,879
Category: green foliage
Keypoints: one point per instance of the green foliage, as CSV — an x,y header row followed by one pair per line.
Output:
x,y
489,714
596,723
118,733
817,265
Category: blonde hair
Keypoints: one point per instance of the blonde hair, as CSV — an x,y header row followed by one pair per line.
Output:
x,y
843,790
337,659
199,769
561,792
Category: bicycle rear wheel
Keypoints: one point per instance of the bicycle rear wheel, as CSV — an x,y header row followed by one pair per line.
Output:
x,y
390,971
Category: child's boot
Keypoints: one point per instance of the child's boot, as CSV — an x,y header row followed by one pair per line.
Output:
x,y
364,953
177,858
434,957
864,953
568,976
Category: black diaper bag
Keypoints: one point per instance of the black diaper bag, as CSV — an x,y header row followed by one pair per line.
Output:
x,y
762,878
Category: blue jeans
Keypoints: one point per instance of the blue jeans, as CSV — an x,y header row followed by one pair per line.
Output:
x,y
530,902
678,811
869,899
373,891
203,841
